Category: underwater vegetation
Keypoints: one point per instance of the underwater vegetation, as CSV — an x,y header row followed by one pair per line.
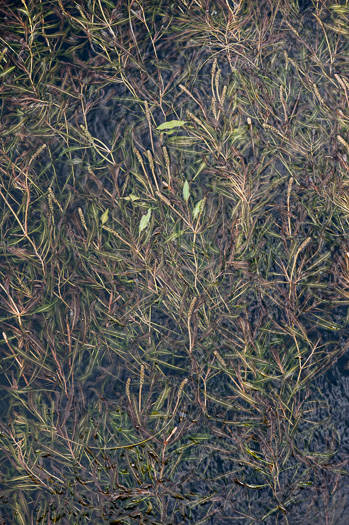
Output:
x,y
174,260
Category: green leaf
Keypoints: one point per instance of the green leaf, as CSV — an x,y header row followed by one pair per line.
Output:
x,y
169,132
145,221
183,141
171,124
201,167
197,209
7,71
199,437
72,162
131,198
104,217
44,307
174,236
71,148
186,191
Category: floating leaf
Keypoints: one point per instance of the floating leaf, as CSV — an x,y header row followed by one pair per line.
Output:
x,y
171,124
197,209
104,217
186,191
145,220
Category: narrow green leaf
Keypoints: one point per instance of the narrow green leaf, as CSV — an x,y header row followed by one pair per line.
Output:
x,y
201,167
44,307
198,437
71,148
169,132
171,124
174,236
104,217
186,191
145,221
7,71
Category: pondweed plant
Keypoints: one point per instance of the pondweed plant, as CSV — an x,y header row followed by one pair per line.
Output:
x,y
175,260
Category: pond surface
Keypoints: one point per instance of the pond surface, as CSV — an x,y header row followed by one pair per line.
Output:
x,y
174,271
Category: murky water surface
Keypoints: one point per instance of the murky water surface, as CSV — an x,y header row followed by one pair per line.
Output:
x,y
175,262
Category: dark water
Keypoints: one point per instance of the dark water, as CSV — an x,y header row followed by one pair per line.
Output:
x,y
212,482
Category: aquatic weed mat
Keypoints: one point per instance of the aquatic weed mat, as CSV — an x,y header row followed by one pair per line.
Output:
x,y
175,260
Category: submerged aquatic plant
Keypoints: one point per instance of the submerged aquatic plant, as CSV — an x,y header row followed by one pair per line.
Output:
x,y
173,273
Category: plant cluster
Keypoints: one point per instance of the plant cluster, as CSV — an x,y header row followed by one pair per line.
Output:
x,y
174,268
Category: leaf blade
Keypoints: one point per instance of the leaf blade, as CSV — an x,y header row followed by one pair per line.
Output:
x,y
104,217
197,209
171,124
144,221
186,191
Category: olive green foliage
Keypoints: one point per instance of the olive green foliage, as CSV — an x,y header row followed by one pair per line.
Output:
x,y
174,268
